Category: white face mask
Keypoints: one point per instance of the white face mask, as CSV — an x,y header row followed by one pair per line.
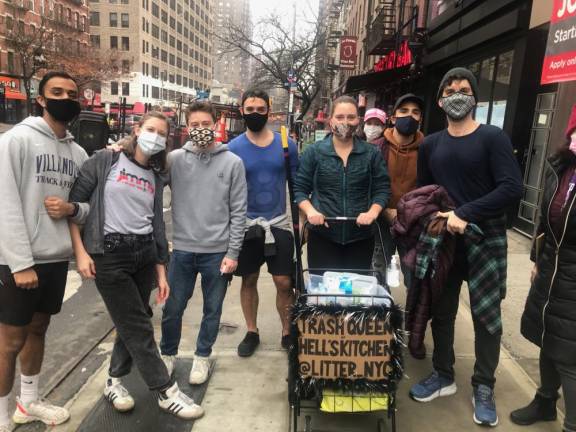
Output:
x,y
151,143
373,132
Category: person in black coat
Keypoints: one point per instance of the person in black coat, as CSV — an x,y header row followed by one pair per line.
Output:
x,y
549,318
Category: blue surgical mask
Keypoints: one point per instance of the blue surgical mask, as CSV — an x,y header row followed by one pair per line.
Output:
x,y
151,143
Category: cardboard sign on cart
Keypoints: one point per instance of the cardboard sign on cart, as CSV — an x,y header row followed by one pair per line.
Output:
x,y
344,347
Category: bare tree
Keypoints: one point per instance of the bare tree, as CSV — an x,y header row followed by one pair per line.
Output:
x,y
276,50
30,42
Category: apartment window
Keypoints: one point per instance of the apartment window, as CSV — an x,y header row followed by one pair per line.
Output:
x,y
179,63
94,19
155,72
179,45
143,24
179,79
172,59
143,47
164,36
143,68
155,31
95,41
185,67
144,90
186,16
125,66
113,88
185,32
164,17
179,10
186,49
185,81
113,19
172,22
179,27
173,4
172,41
171,78
113,42
113,1
164,56
125,89
125,20
155,10
125,43
125,1
155,92
155,52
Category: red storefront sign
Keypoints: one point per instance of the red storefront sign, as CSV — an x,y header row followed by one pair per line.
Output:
x,y
395,60
348,52
560,61
11,87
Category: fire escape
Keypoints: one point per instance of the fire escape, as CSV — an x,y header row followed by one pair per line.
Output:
x,y
381,36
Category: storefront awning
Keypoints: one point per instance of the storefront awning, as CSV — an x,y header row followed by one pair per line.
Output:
x,y
375,80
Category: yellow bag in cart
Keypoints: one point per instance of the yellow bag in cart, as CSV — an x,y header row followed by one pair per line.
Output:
x,y
335,401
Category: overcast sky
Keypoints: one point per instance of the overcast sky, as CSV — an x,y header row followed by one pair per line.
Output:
x,y
305,9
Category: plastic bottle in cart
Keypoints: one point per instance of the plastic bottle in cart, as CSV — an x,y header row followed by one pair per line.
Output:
x,y
393,273
346,285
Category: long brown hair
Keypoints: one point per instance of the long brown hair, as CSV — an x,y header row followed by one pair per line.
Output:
x,y
128,144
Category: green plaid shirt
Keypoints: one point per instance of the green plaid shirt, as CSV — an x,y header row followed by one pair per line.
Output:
x,y
486,255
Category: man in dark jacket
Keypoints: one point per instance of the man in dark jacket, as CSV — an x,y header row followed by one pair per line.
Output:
x,y
476,166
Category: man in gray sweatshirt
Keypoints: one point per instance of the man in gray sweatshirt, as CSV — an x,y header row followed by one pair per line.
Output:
x,y
39,162
209,196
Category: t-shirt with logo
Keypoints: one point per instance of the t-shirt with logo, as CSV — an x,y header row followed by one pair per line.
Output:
x,y
129,198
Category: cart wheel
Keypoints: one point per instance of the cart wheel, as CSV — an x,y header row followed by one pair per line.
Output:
x,y
308,426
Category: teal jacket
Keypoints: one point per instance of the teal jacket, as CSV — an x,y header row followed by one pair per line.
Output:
x,y
338,190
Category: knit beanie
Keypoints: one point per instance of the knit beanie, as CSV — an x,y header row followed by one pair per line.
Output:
x,y
459,73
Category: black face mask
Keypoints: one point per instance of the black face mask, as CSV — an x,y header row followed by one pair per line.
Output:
x,y
63,110
406,125
255,121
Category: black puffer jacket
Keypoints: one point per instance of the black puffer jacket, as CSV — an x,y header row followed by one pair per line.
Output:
x,y
549,318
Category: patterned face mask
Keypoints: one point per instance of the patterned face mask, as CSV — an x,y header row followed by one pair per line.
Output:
x,y
201,137
458,105
343,131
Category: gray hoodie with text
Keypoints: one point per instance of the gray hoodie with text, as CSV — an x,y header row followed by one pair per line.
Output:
x,y
35,164
209,196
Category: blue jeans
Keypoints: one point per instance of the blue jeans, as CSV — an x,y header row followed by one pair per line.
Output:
x,y
182,274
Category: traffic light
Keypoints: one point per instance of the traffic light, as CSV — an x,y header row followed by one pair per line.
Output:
x,y
91,131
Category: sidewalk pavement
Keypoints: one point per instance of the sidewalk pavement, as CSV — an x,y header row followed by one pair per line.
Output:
x,y
251,394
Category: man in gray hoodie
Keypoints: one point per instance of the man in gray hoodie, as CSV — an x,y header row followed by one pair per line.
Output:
x,y
209,196
39,162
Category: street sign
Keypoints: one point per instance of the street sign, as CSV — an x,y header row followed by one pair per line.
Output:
x,y
560,60
348,52
319,135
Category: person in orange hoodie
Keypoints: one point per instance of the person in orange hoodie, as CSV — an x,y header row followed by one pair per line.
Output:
x,y
400,151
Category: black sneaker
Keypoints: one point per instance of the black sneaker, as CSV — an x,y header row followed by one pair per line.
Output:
x,y
285,342
249,344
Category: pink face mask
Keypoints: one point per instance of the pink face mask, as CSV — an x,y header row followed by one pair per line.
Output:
x,y
573,144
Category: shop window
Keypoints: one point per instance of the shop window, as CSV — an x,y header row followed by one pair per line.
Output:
x,y
493,74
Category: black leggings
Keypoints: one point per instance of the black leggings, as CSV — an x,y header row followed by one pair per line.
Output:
x,y
325,254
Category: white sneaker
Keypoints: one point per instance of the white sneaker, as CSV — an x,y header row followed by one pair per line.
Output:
x,y
118,396
169,361
177,403
40,410
200,370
